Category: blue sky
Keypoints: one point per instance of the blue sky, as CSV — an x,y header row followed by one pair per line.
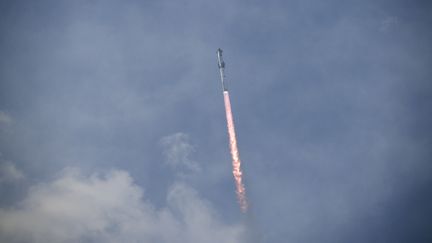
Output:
x,y
112,125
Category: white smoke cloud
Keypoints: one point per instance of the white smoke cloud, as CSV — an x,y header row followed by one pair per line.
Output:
x,y
177,150
110,208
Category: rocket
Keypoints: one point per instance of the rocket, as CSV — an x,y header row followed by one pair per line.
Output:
x,y
236,163
221,65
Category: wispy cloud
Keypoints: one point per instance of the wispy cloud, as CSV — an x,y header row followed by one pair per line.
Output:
x,y
388,23
5,119
177,150
9,172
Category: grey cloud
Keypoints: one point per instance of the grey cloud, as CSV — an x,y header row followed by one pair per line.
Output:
x,y
8,172
110,207
5,119
388,23
177,150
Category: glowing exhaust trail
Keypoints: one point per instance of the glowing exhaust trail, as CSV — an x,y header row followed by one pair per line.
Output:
x,y
236,163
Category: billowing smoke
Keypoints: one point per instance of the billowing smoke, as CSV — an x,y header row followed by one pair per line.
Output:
x,y
110,207
236,163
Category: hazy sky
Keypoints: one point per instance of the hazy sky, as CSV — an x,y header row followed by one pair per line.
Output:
x,y
112,125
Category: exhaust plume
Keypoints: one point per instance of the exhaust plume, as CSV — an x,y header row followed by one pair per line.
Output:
x,y
236,163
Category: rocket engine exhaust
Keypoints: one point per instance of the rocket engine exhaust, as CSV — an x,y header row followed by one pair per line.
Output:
x,y
236,163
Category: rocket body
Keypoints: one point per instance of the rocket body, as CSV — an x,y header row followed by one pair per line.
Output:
x,y
221,65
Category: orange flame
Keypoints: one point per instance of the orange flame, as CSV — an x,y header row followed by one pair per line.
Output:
x,y
236,163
